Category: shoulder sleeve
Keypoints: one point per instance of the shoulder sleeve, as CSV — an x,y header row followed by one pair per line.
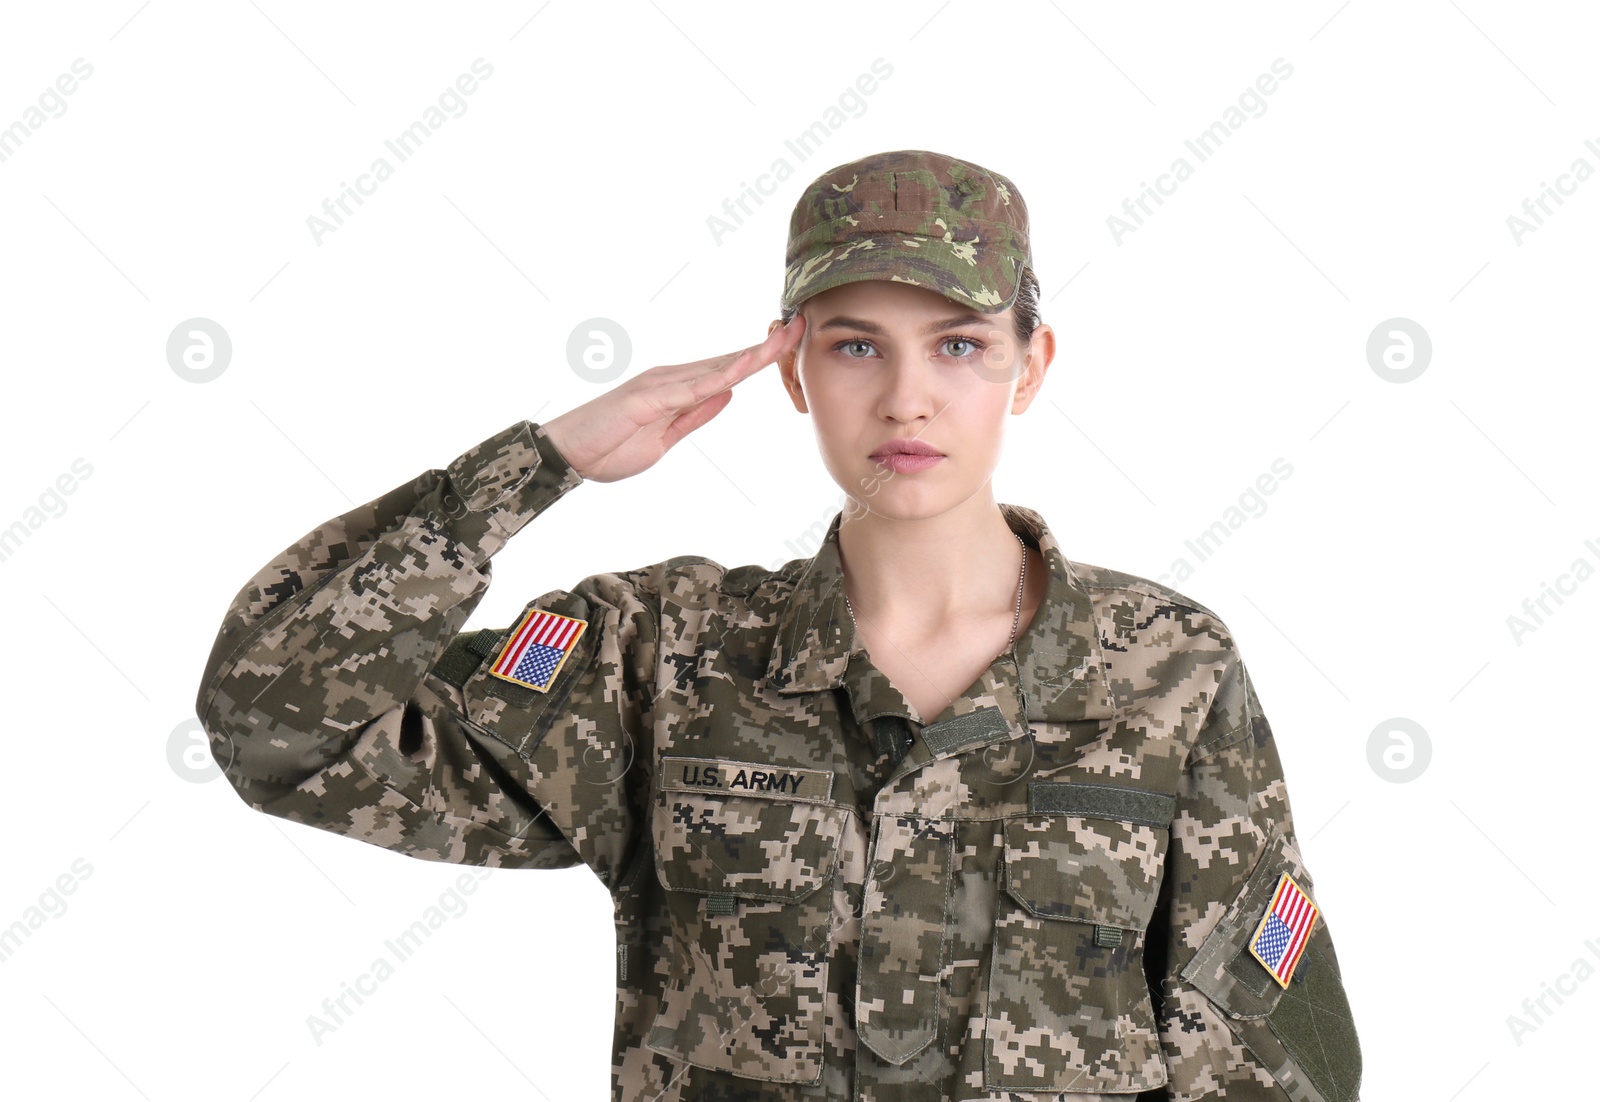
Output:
x,y
341,693
1229,1028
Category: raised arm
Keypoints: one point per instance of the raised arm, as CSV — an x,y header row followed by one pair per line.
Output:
x,y
314,694
341,693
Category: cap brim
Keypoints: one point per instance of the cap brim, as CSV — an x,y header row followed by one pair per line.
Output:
x,y
948,268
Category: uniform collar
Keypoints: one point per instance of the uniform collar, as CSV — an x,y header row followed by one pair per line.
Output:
x,y
1060,669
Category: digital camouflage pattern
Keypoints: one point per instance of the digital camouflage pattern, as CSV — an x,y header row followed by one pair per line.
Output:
x,y
910,216
1044,893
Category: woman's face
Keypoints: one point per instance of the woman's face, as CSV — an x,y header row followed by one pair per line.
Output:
x,y
884,362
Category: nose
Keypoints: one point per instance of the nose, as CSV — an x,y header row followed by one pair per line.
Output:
x,y
910,389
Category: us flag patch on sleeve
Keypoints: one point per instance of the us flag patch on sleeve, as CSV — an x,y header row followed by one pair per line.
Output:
x,y
536,649
1284,931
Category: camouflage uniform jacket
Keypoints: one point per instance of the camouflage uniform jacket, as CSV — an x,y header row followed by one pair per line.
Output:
x,y
1046,893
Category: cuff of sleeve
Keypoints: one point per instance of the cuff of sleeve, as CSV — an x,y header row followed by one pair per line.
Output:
x,y
507,480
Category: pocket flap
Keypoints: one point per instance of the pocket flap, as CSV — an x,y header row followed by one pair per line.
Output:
x,y
758,847
1088,852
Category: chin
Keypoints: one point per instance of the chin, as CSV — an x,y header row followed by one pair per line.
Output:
x,y
904,502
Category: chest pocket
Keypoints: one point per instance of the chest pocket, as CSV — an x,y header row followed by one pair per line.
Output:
x,y
748,879
1069,1006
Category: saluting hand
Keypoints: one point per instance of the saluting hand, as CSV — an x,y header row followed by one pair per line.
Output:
x,y
626,429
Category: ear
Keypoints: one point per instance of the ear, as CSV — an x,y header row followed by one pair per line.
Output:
x,y
1040,352
789,371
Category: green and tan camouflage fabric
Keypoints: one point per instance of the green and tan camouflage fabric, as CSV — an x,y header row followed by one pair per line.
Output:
x,y
1046,892
912,216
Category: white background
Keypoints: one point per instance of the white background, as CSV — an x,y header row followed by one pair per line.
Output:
x,y
1227,331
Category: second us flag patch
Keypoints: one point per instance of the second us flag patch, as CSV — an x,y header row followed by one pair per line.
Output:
x,y
1285,929
537,648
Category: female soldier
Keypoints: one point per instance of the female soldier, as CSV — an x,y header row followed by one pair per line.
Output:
x,y
936,813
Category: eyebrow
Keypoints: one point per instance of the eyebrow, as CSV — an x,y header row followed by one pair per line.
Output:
x,y
865,326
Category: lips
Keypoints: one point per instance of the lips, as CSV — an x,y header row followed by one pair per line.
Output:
x,y
905,447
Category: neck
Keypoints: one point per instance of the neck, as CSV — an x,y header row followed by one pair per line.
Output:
x,y
928,572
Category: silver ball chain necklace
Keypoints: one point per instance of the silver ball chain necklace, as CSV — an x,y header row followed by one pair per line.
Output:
x,y
1015,620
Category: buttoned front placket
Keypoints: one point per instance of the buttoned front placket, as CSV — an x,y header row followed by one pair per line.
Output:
x,y
906,910
931,811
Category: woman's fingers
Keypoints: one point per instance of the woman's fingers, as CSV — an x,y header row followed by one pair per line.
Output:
x,y
776,343
694,417
730,370
627,429
707,386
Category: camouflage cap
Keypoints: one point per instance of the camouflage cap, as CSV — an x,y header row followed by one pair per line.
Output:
x,y
910,216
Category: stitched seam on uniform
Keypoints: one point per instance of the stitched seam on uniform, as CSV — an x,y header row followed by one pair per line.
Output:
x,y
250,634
1203,964
480,729
823,598
1221,742
944,936
1245,969
472,472
744,894
1099,656
544,812
571,672
1327,1068
862,917
445,818
799,629
637,863
1265,1059
1022,693
1094,637
1166,598
1295,1050
1305,1091
664,645
1000,899
1075,675
1235,928
1235,668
